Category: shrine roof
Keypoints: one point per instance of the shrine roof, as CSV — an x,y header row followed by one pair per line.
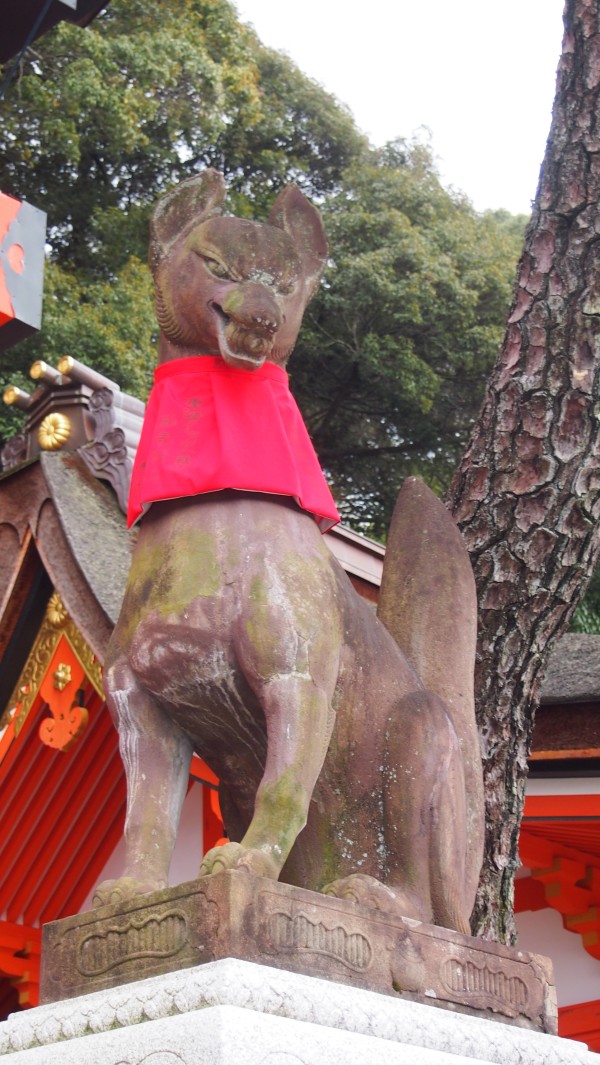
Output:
x,y
573,672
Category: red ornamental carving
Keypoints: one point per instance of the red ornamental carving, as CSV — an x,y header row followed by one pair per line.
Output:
x,y
69,717
64,729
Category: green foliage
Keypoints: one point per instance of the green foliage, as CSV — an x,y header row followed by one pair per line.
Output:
x,y
90,128
586,618
109,325
303,134
390,367
102,121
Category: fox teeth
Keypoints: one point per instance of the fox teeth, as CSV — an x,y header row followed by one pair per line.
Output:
x,y
228,354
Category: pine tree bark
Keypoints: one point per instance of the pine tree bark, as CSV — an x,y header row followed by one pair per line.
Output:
x,y
527,491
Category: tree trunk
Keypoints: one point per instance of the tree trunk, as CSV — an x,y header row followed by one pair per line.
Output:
x,y
527,491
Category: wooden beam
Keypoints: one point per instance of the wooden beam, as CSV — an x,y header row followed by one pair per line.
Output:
x,y
562,753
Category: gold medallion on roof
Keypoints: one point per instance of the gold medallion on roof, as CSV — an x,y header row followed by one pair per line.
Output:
x,y
54,431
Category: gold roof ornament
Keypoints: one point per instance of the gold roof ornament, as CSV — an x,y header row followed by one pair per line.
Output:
x,y
56,612
16,397
54,431
40,371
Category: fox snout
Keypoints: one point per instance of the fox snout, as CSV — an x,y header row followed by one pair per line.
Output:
x,y
252,306
249,320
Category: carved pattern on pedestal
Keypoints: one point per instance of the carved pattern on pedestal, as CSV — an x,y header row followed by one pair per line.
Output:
x,y
465,978
56,623
298,932
151,937
407,965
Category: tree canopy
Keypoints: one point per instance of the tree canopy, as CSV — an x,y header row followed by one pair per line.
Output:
x,y
391,363
101,121
390,366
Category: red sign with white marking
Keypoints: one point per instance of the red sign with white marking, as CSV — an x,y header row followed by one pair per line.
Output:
x,y
22,239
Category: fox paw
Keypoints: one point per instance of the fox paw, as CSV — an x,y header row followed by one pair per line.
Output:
x,y
110,892
236,856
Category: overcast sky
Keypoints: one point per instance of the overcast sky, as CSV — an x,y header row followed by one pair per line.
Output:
x,y
479,74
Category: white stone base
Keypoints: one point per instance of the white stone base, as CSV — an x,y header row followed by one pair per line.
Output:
x,y
237,1013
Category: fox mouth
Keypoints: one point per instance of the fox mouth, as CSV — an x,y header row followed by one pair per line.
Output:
x,y
240,344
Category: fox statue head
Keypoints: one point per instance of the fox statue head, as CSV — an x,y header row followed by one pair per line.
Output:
x,y
229,286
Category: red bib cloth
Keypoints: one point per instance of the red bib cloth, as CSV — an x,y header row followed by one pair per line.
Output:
x,y
209,426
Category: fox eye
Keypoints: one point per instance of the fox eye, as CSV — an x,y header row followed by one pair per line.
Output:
x,y
218,269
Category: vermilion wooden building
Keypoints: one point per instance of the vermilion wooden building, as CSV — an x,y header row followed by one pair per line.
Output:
x,y
64,556
557,896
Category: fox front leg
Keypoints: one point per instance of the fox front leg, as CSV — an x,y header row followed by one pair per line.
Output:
x,y
299,722
291,661
156,756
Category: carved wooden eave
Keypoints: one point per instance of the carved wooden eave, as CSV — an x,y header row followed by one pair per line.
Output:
x,y
64,556
75,408
60,529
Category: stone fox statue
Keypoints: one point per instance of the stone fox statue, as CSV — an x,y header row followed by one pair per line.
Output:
x,y
345,743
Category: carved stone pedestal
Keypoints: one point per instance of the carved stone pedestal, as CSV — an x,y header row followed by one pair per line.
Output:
x,y
232,1012
236,915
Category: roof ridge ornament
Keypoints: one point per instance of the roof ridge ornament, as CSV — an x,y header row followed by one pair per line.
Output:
x,y
76,408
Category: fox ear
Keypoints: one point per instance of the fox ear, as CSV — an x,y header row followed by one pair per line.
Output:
x,y
193,200
297,216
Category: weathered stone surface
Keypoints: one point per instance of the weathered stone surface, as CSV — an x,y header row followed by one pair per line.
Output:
x,y
238,915
236,1012
347,752
228,1034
